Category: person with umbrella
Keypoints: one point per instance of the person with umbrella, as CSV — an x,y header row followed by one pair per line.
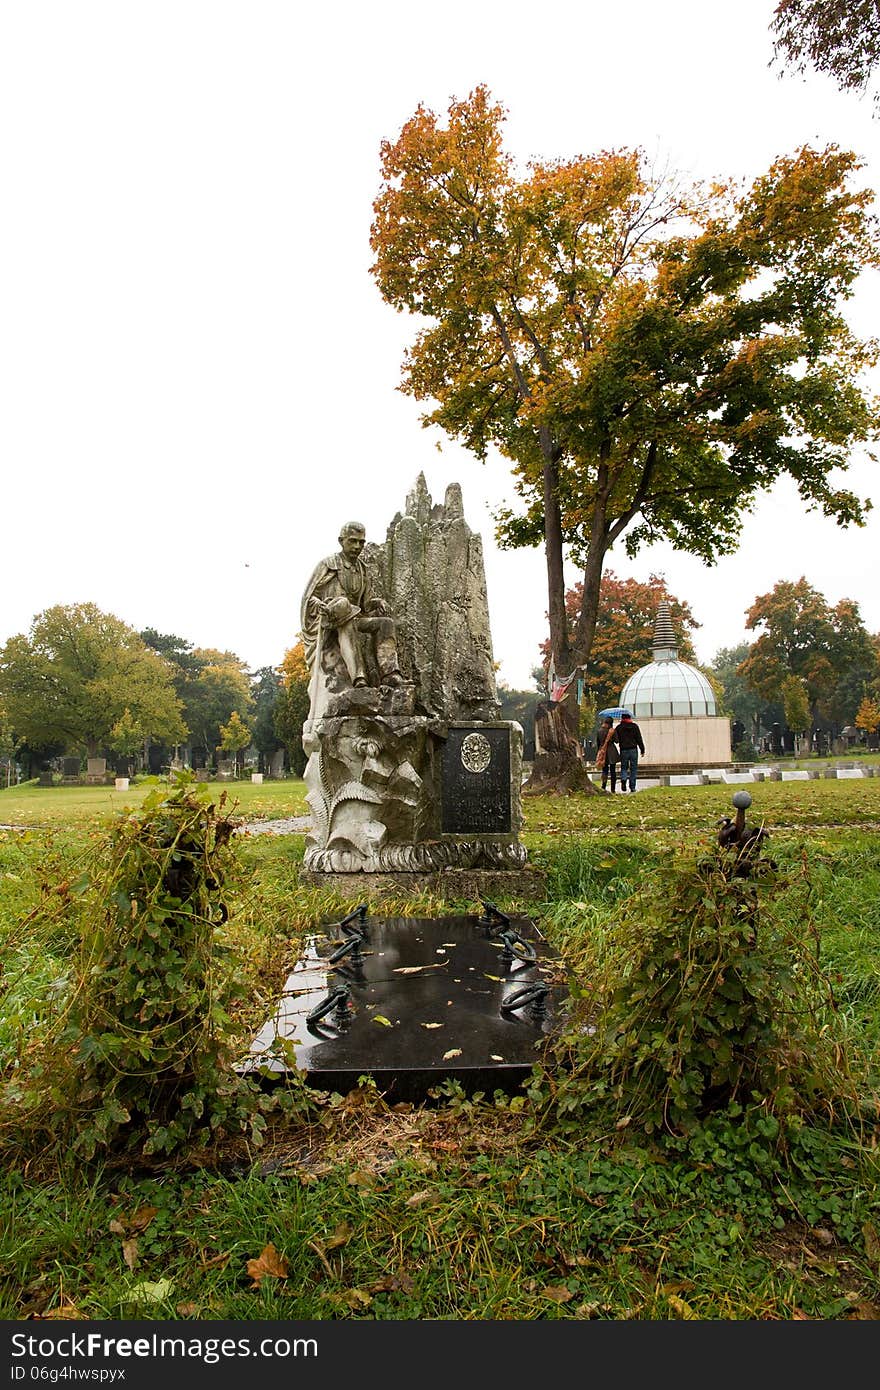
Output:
x,y
608,753
629,741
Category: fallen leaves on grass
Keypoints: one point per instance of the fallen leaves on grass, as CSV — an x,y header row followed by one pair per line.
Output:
x,y
268,1265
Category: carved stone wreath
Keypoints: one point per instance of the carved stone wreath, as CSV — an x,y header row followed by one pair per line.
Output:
x,y
476,752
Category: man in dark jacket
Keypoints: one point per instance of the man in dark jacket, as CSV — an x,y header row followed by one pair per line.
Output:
x,y
629,740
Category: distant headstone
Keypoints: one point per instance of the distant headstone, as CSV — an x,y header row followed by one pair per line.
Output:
x,y
276,763
46,779
256,776
96,770
203,774
70,769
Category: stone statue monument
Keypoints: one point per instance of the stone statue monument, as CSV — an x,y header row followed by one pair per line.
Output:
x,y
409,769
339,611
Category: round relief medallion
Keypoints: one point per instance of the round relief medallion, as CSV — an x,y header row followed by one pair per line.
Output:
x,y
476,753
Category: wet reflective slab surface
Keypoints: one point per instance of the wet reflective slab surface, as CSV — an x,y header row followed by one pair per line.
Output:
x,y
410,1001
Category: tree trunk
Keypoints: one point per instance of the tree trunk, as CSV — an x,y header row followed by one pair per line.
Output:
x,y
558,766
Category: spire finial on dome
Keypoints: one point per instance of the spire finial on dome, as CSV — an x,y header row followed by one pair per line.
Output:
x,y
665,647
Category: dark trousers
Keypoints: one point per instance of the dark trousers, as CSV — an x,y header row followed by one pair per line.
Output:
x,y
609,773
629,762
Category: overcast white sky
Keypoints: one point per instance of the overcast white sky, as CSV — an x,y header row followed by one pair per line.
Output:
x,y
198,371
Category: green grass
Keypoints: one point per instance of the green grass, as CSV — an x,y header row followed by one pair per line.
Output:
x,y
68,806
460,1208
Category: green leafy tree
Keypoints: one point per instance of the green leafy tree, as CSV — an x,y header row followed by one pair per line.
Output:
x,y
217,690
796,704
126,737
737,698
235,738
649,356
72,677
266,683
8,746
840,38
519,706
292,705
826,648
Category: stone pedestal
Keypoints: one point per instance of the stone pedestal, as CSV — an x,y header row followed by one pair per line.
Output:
x,y
121,784
396,793
96,771
256,777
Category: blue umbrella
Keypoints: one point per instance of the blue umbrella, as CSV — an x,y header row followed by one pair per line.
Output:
x,y
616,712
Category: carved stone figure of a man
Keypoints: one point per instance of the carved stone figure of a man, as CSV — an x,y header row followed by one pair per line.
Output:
x,y
339,608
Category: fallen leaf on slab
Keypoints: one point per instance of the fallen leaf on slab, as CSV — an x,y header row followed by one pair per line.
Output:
x,y
380,1018
453,1052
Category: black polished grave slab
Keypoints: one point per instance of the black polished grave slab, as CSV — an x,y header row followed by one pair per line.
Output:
x,y
475,775
417,1000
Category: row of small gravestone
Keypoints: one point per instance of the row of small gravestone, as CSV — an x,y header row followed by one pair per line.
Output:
x,y
770,774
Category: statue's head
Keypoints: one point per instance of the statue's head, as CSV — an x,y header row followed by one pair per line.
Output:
x,y
353,538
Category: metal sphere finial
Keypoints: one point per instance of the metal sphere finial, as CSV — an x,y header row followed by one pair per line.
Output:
x,y
741,800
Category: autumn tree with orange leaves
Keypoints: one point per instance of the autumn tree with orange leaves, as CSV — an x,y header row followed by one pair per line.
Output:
x,y
826,650
624,636
649,355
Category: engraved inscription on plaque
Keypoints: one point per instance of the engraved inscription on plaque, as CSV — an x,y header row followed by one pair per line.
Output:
x,y
476,781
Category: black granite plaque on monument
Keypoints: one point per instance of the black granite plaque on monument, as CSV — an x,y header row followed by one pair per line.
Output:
x,y
476,781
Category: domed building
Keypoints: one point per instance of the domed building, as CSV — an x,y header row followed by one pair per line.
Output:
x,y
675,708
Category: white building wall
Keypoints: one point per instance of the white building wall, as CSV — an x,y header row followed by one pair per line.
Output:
x,y
703,742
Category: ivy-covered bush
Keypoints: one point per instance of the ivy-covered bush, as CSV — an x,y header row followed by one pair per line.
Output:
x,y
147,1040
711,994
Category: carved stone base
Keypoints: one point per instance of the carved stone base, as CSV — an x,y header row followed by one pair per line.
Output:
x,y
429,856
468,885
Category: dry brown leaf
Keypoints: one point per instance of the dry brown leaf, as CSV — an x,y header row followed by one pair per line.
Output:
x,y
65,1309
558,1293
361,1177
142,1218
339,1237
865,1311
680,1307
872,1242
433,1025
130,1252
421,1199
453,1052
117,1228
188,1310
356,1298
393,1283
268,1265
